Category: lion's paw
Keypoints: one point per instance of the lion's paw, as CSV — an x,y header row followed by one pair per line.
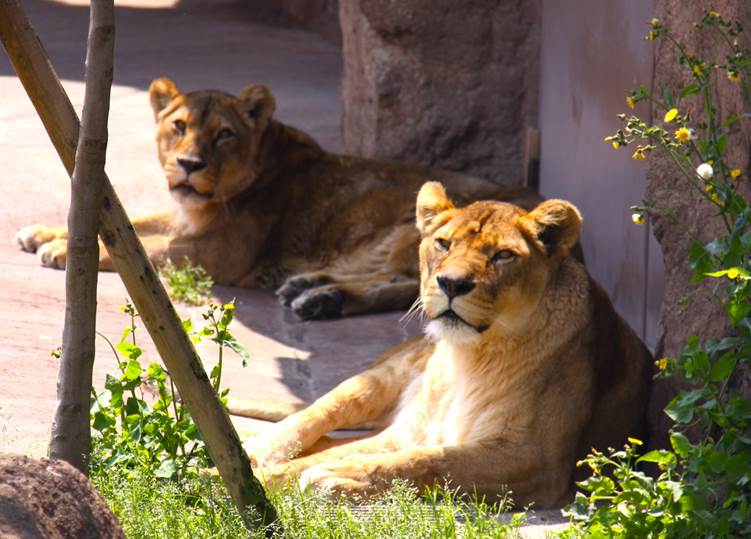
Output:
x,y
322,479
294,286
53,254
30,238
319,303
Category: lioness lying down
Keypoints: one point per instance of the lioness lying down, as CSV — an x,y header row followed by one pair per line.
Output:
x,y
260,202
524,368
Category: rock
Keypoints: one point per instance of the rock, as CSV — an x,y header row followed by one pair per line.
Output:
x,y
689,309
441,83
51,499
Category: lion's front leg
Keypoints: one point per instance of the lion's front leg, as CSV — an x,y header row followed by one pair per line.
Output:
x,y
317,296
484,469
368,397
51,242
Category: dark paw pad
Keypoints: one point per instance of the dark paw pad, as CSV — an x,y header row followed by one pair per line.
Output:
x,y
319,304
294,286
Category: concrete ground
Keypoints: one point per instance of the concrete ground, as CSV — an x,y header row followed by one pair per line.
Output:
x,y
199,45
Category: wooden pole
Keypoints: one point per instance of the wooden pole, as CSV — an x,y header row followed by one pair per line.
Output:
x,y
35,71
71,433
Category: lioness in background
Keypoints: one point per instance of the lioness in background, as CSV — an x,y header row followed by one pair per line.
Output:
x,y
524,368
260,202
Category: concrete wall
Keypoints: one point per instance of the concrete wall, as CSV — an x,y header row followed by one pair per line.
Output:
x,y
587,65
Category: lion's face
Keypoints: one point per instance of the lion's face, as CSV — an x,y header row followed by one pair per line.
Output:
x,y
486,267
209,140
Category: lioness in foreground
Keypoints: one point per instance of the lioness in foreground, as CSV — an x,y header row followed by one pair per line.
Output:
x,y
260,202
524,368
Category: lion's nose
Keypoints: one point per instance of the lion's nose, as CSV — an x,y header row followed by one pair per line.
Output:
x,y
454,287
191,165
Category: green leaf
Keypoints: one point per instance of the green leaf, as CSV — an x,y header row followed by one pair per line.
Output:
x,y
129,350
132,371
722,367
722,142
102,421
166,469
680,444
691,89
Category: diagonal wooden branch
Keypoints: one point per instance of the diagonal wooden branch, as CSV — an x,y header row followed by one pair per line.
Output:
x,y
71,433
157,313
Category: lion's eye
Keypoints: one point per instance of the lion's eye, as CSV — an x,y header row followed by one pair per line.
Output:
x,y
503,256
179,126
224,134
442,244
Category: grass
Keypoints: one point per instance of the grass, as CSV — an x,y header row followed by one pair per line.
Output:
x,y
148,507
187,283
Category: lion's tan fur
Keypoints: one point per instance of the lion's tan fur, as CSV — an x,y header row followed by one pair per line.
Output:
x,y
533,369
260,203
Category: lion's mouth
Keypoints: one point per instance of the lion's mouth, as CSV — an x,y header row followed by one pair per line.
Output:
x,y
185,189
452,318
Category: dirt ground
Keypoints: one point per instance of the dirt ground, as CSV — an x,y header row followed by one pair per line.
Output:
x,y
198,46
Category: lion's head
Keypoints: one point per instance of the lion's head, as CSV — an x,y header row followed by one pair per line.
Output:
x,y
209,140
488,265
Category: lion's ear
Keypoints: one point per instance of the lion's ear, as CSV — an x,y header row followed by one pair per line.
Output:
x,y
161,92
431,202
258,104
554,223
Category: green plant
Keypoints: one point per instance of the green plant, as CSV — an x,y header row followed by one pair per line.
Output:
x,y
200,507
152,430
187,282
704,485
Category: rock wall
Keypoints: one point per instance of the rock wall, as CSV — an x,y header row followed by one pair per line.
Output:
x,y
441,83
688,309
51,499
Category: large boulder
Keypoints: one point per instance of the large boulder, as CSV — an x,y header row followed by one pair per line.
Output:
x,y
47,499
441,83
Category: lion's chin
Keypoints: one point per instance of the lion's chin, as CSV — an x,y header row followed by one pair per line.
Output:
x,y
188,197
453,329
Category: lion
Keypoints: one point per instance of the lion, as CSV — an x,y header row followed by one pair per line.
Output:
x,y
524,366
261,204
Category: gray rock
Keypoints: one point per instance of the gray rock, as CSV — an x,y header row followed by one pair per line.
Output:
x,y
441,83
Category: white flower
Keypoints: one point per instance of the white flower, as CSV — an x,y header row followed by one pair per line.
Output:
x,y
691,134
705,171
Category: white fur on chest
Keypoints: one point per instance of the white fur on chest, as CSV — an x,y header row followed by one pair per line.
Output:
x,y
447,404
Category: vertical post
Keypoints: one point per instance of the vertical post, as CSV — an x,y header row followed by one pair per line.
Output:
x,y
41,83
71,434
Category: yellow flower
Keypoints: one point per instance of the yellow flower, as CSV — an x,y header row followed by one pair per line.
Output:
x,y
651,36
733,273
709,188
637,218
698,69
670,115
635,441
683,134
662,363
616,145
735,173
714,14
228,307
654,22
630,102
716,199
734,75
639,154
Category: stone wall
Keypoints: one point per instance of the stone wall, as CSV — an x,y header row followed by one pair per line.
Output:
x,y
441,83
688,309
